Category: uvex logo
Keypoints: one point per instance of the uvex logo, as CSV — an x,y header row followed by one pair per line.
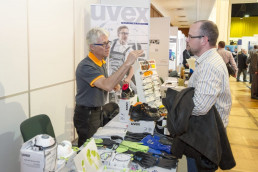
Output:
x,y
27,155
137,124
128,14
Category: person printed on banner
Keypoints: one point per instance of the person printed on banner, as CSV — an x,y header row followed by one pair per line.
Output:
x,y
118,54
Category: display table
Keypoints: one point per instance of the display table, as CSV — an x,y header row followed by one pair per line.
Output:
x,y
113,127
172,83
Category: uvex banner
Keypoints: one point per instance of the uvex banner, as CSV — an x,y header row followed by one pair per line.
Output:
x,y
128,28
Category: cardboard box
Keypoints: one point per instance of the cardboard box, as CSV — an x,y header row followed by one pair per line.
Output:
x,y
141,127
35,160
124,107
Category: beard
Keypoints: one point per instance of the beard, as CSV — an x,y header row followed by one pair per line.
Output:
x,y
194,51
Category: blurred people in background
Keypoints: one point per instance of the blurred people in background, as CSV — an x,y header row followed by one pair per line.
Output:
x,y
226,55
242,65
234,53
186,55
253,60
252,52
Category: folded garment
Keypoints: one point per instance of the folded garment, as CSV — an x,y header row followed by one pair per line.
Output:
x,y
135,137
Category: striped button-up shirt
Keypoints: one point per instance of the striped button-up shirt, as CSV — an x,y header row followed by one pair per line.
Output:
x,y
211,82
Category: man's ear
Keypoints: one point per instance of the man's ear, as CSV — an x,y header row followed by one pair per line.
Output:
x,y
205,40
92,47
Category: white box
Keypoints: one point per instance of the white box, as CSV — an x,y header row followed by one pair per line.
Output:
x,y
124,107
141,127
33,160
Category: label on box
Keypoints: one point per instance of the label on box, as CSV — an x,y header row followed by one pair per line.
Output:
x,y
35,160
124,107
141,127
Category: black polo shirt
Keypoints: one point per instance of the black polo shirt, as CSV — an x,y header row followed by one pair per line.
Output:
x,y
88,71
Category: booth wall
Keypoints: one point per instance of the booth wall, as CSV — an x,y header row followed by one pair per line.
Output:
x,y
161,51
42,41
173,33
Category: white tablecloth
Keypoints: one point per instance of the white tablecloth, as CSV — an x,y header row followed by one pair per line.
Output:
x,y
112,128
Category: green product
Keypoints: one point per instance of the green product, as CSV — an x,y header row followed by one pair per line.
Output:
x,y
135,146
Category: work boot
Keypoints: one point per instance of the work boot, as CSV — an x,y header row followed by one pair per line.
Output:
x,y
143,112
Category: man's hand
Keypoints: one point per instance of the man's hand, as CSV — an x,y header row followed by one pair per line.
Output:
x,y
127,80
133,55
117,88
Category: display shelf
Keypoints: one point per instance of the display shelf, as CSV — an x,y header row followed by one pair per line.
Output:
x,y
147,81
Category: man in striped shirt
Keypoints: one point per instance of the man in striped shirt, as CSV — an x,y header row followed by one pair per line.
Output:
x,y
210,78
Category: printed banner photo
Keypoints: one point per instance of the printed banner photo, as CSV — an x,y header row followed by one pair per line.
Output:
x,y
128,28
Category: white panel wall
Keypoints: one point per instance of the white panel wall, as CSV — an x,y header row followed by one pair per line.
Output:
x,y
13,80
36,70
162,33
13,46
174,33
51,41
81,27
13,111
58,103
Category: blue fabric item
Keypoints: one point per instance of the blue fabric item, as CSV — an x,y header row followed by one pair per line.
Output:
x,y
154,151
191,70
153,142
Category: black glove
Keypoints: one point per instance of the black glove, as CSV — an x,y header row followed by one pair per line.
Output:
x,y
167,163
108,143
145,160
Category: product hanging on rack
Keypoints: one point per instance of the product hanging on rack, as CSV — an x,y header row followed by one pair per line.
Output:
x,y
147,81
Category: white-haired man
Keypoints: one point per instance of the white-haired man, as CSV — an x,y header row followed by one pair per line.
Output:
x,y
93,83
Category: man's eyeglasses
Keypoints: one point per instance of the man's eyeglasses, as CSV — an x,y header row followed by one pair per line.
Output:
x,y
190,36
124,33
104,44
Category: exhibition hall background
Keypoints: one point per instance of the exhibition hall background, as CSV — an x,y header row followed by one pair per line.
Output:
x,y
41,43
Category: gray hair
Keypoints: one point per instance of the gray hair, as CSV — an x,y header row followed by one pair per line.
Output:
x,y
94,34
209,29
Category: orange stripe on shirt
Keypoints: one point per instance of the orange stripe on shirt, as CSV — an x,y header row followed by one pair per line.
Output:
x,y
94,80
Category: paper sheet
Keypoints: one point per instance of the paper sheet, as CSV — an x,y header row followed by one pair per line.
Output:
x,y
88,160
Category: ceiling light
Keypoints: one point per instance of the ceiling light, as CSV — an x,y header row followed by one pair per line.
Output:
x,y
247,15
178,9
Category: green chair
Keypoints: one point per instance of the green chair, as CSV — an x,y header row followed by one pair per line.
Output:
x,y
36,125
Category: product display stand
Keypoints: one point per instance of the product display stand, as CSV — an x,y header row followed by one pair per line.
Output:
x,y
147,82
